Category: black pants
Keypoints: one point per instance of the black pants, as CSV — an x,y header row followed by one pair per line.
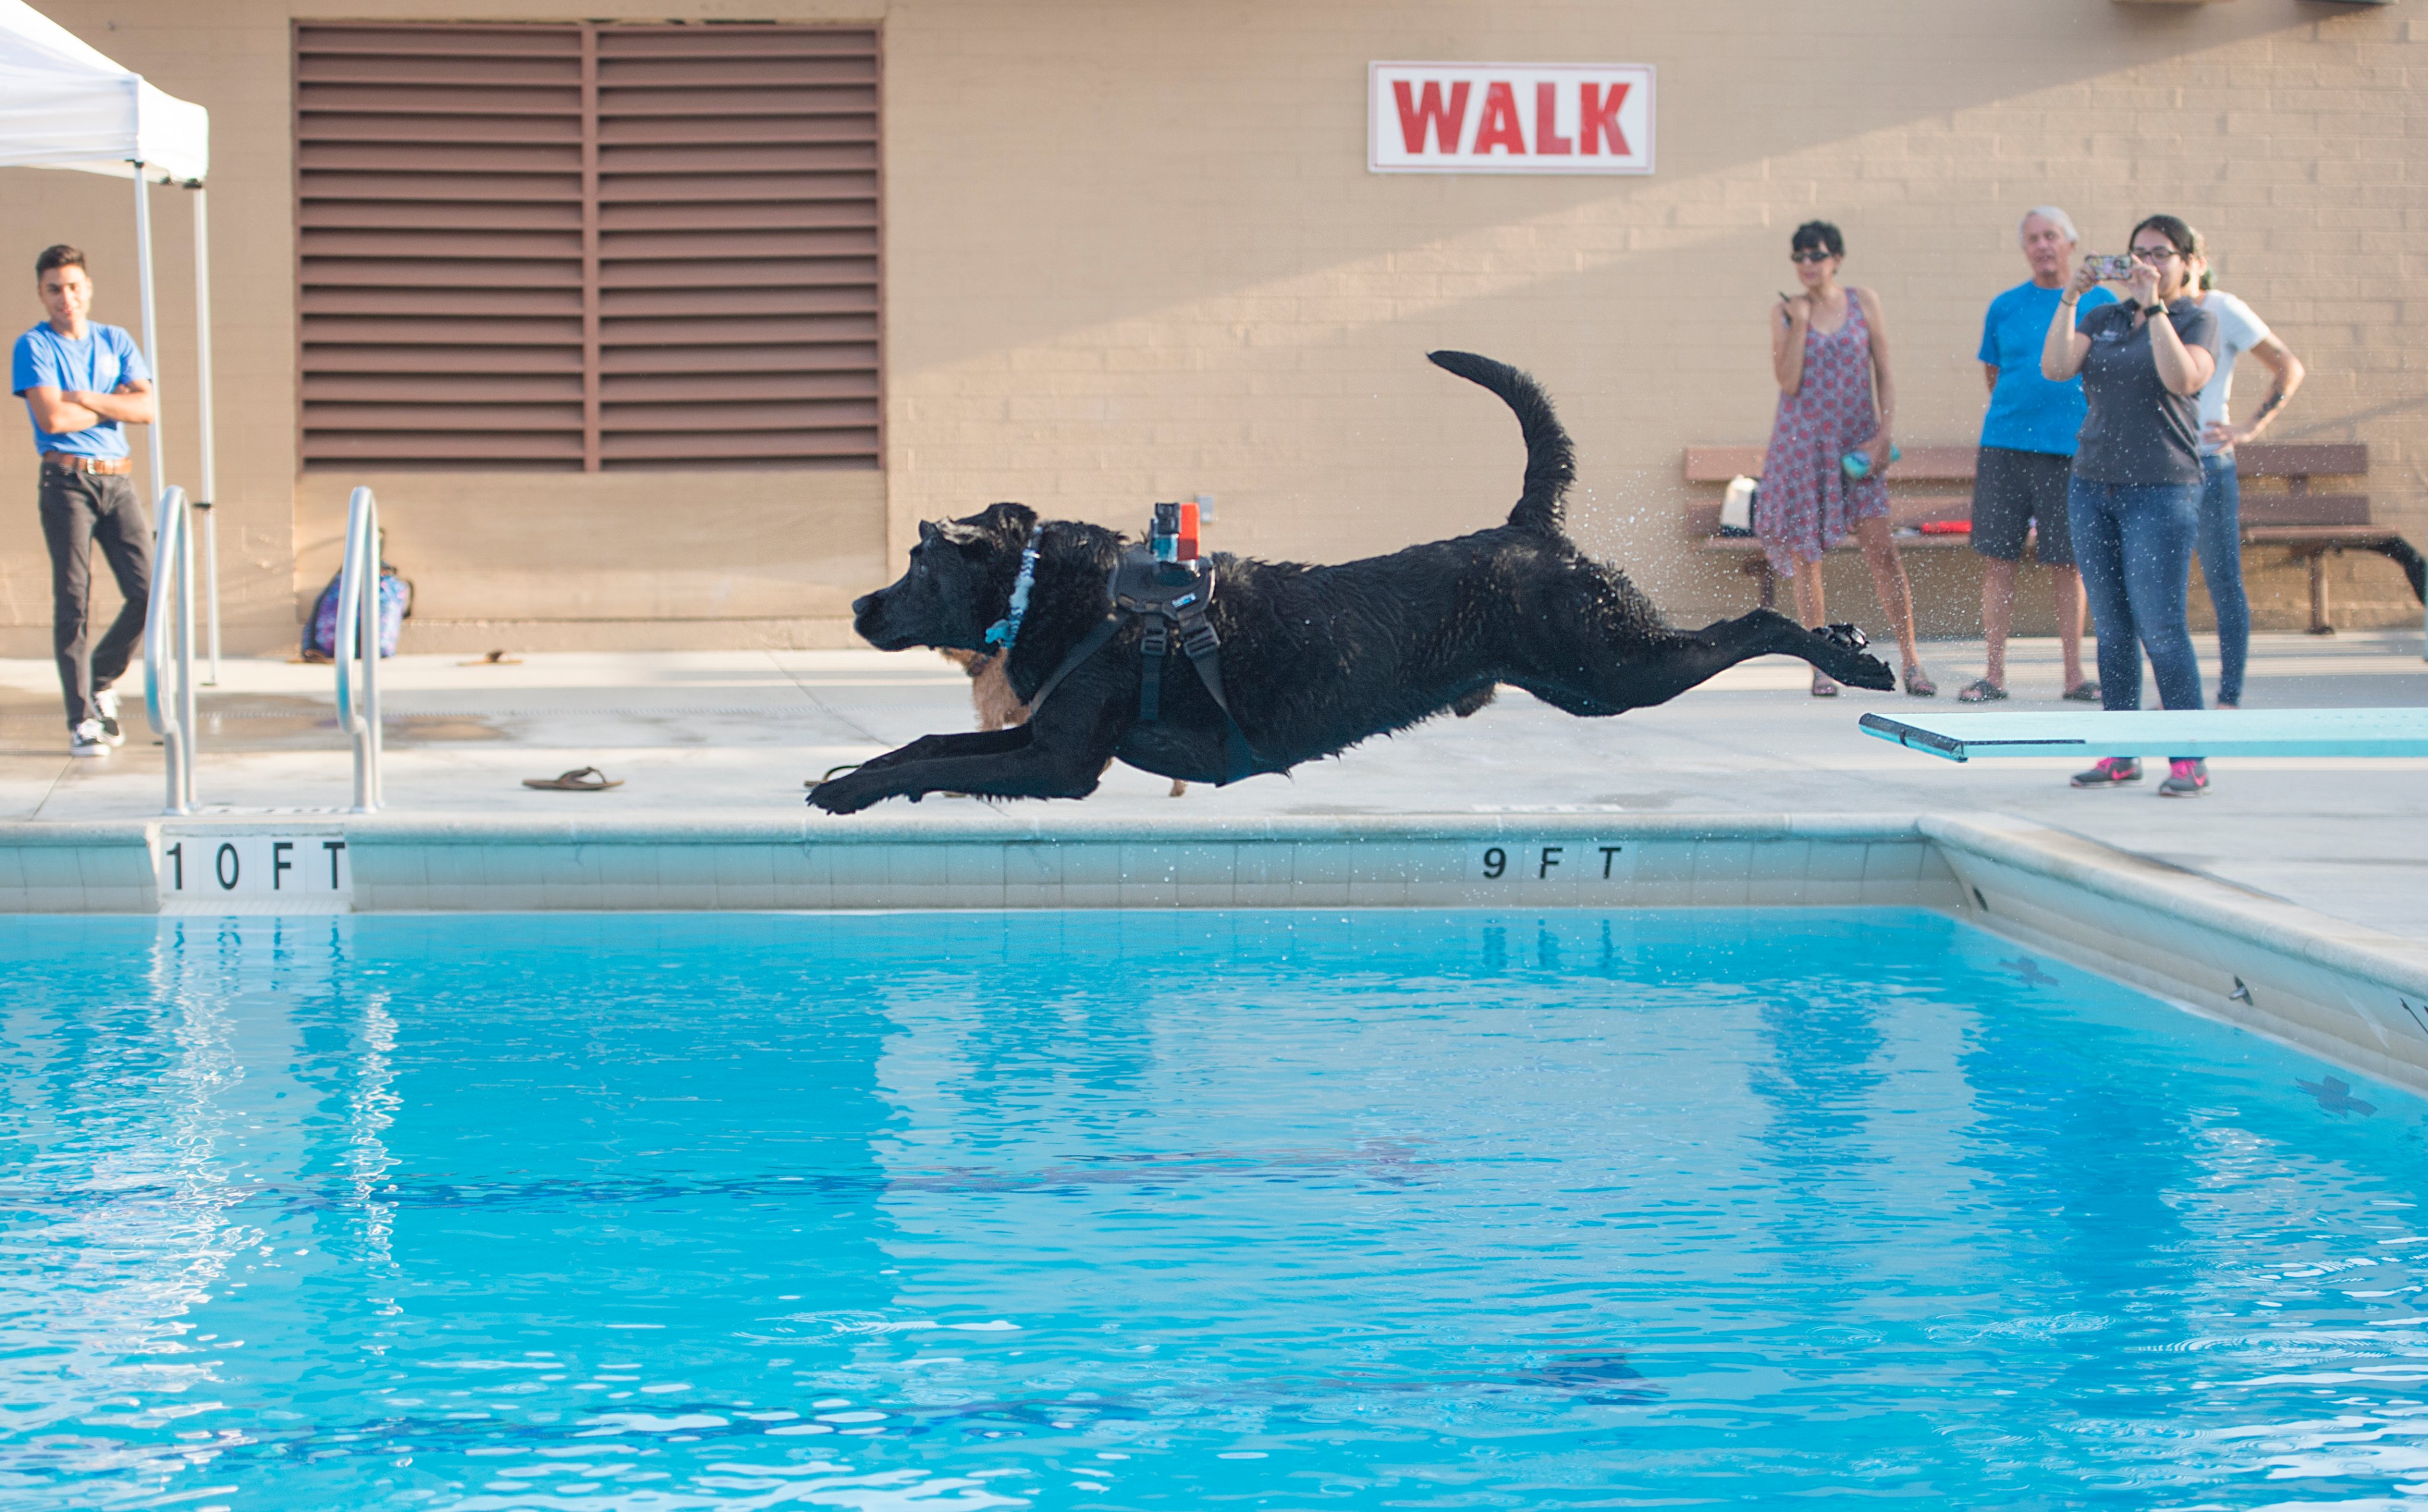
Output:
x,y
81,510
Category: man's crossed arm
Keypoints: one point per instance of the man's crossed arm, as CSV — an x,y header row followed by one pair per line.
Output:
x,y
64,412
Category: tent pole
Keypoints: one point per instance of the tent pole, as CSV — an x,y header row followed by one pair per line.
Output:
x,y
150,330
209,494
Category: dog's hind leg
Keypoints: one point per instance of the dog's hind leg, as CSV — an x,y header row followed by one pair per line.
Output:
x,y
1659,669
1701,654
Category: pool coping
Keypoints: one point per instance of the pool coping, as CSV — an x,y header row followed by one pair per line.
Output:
x,y
2352,995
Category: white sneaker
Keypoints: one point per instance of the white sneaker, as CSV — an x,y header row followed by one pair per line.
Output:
x,y
105,704
88,739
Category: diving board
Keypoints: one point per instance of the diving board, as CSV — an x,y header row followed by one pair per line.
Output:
x,y
2164,733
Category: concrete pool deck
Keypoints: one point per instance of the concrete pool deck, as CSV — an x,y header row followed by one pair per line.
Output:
x,y
717,737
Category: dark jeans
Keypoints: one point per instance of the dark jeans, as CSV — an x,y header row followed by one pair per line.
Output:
x,y
81,511
2221,560
2134,544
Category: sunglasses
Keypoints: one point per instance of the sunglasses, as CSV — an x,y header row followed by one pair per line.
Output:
x,y
1810,255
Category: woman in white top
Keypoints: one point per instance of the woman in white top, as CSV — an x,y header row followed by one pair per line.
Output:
x,y
2219,541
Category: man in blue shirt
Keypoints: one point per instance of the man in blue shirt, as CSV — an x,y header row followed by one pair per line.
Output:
x,y
2028,442
84,383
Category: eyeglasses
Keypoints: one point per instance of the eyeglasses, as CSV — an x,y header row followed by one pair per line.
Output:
x,y
1810,255
2155,253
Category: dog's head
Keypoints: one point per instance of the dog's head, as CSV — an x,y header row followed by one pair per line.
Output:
x,y
959,583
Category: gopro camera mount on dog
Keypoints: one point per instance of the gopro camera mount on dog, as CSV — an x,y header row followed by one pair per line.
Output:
x,y
1173,533
1167,585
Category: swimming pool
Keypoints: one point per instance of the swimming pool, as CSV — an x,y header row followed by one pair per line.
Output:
x,y
1114,1209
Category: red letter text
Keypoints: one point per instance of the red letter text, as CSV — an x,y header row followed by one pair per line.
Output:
x,y
1548,140
1498,127
1595,121
1417,114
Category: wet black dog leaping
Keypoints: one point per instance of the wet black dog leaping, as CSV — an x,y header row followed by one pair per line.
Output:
x,y
1314,659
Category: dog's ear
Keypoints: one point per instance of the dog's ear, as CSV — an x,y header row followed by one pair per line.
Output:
x,y
1009,520
927,532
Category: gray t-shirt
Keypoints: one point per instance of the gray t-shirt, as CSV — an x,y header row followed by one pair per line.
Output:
x,y
2137,430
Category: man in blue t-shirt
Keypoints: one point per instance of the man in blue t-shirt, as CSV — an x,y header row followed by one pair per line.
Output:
x,y
2028,454
84,383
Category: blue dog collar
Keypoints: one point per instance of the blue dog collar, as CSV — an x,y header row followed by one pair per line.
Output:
x,y
1007,630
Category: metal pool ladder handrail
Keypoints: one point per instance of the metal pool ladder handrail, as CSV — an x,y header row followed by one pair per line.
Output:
x,y
357,637
168,646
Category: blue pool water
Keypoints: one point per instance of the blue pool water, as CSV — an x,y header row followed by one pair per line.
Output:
x,y
1178,1210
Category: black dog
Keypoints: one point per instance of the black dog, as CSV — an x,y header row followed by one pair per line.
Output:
x,y
1314,659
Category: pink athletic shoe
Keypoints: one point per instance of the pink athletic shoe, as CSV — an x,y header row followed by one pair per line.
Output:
x,y
2112,771
2186,778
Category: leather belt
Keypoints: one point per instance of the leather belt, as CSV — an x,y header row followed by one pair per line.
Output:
x,y
70,462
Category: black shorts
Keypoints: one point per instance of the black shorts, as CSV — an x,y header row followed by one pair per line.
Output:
x,y
2011,491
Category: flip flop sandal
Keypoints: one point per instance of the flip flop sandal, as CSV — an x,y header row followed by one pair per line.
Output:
x,y
1981,691
2084,692
579,779
1823,687
831,773
1918,684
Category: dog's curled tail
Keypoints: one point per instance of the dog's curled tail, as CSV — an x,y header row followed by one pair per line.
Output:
x,y
1551,458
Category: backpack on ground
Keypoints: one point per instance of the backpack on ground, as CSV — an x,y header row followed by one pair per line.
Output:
x,y
395,605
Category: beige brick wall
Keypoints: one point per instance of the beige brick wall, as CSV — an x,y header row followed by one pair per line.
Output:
x,y
1133,253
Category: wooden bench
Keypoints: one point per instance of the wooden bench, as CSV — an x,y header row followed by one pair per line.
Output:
x,y
2286,508
2309,524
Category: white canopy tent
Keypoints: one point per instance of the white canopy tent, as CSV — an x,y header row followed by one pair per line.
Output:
x,y
63,104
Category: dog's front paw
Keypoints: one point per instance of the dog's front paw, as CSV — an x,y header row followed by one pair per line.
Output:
x,y
843,795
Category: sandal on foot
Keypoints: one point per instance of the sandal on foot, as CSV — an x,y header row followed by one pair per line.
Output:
x,y
1981,690
579,779
1918,683
1823,687
2083,692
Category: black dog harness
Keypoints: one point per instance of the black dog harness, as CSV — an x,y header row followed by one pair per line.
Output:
x,y
1170,597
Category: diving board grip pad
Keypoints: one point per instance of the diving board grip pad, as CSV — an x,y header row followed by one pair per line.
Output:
x,y
2375,733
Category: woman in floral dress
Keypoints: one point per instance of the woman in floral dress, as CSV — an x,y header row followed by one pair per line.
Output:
x,y
1830,355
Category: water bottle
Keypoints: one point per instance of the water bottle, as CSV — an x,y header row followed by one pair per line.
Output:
x,y
1857,466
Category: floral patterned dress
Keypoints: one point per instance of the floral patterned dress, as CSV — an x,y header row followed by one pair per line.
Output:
x,y
1807,502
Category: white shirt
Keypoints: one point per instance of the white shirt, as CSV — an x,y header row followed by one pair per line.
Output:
x,y
2238,329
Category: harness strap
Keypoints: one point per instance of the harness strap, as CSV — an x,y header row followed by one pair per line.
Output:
x,y
1203,649
1089,644
1152,644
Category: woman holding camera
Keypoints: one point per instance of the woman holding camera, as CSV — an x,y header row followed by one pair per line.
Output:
x,y
2133,501
1828,446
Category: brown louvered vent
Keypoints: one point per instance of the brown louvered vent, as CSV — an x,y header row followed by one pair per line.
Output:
x,y
587,246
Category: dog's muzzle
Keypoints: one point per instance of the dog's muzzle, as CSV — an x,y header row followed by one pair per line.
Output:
x,y
868,623
868,614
